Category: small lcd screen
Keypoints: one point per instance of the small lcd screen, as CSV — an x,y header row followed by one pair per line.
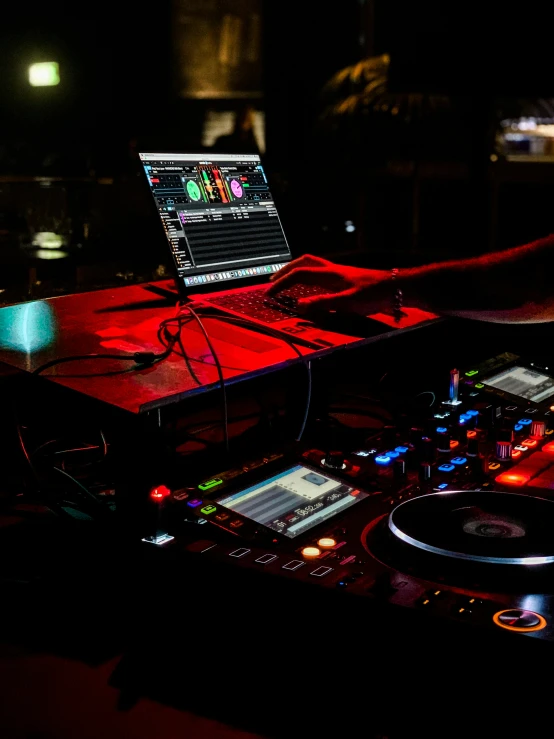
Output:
x,y
524,382
293,501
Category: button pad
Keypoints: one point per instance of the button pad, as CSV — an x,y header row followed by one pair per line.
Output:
x,y
321,571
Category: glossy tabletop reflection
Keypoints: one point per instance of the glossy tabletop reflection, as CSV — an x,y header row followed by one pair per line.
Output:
x,y
126,320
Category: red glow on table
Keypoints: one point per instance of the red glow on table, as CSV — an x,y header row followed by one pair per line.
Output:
x,y
549,447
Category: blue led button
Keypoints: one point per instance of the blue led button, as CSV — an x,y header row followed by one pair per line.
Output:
x,y
518,427
472,413
442,486
464,418
382,459
401,449
392,455
441,429
525,421
446,468
458,460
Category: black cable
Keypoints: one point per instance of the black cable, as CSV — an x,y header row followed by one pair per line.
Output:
x,y
239,321
83,489
140,358
213,352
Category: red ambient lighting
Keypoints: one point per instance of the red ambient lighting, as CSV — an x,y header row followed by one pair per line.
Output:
x,y
159,493
549,448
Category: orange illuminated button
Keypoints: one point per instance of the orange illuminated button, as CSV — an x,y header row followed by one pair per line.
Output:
x,y
326,542
518,619
513,478
549,448
529,442
454,444
471,434
311,552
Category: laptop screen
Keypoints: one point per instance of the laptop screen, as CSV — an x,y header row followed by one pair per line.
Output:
x,y
218,215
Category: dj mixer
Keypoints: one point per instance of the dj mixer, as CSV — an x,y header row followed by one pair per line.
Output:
x,y
453,516
405,584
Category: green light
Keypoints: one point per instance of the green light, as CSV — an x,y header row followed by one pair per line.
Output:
x,y
44,74
479,385
209,484
208,509
471,373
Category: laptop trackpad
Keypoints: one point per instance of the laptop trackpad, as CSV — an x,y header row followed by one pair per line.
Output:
x,y
234,335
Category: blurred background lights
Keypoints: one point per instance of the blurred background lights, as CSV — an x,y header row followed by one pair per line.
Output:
x,y
48,240
44,74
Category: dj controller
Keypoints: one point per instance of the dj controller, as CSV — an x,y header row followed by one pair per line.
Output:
x,y
404,584
452,517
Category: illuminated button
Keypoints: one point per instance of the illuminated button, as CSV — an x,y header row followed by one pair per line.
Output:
x,y
209,484
525,421
237,523
382,459
513,478
222,516
194,503
239,552
326,542
464,418
442,486
265,559
401,449
446,467
208,509
479,385
494,466
549,448
471,373
321,571
516,453
441,429
521,448
454,444
529,443
293,565
518,427
518,619
392,454
472,413
160,493
311,552
458,460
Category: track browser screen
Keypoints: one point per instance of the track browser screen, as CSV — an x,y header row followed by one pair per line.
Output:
x,y
218,215
523,382
293,501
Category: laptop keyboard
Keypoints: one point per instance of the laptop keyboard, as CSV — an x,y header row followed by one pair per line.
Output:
x,y
256,304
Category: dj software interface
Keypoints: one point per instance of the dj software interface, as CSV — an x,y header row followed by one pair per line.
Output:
x,y
218,215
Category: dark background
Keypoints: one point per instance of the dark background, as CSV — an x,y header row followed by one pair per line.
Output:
x,y
414,175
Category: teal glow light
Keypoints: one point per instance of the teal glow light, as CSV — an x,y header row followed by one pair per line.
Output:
x,y
28,327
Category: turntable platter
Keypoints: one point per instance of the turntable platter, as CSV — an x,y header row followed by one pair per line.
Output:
x,y
492,527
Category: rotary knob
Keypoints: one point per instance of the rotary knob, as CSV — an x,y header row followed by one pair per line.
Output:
x,y
443,439
503,450
538,429
334,460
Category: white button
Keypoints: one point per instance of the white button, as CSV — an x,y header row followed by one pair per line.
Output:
x,y
293,565
239,552
321,571
265,559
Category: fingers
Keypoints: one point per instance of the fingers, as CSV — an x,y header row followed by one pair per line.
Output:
x,y
306,260
307,276
337,301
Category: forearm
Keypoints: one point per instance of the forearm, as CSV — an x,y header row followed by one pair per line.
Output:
x,y
515,285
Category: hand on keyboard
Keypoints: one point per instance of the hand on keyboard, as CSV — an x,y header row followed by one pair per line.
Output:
x,y
335,286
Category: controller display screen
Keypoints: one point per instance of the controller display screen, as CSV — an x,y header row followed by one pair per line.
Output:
x,y
293,501
524,382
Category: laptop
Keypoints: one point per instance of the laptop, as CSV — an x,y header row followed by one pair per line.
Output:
x,y
226,240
